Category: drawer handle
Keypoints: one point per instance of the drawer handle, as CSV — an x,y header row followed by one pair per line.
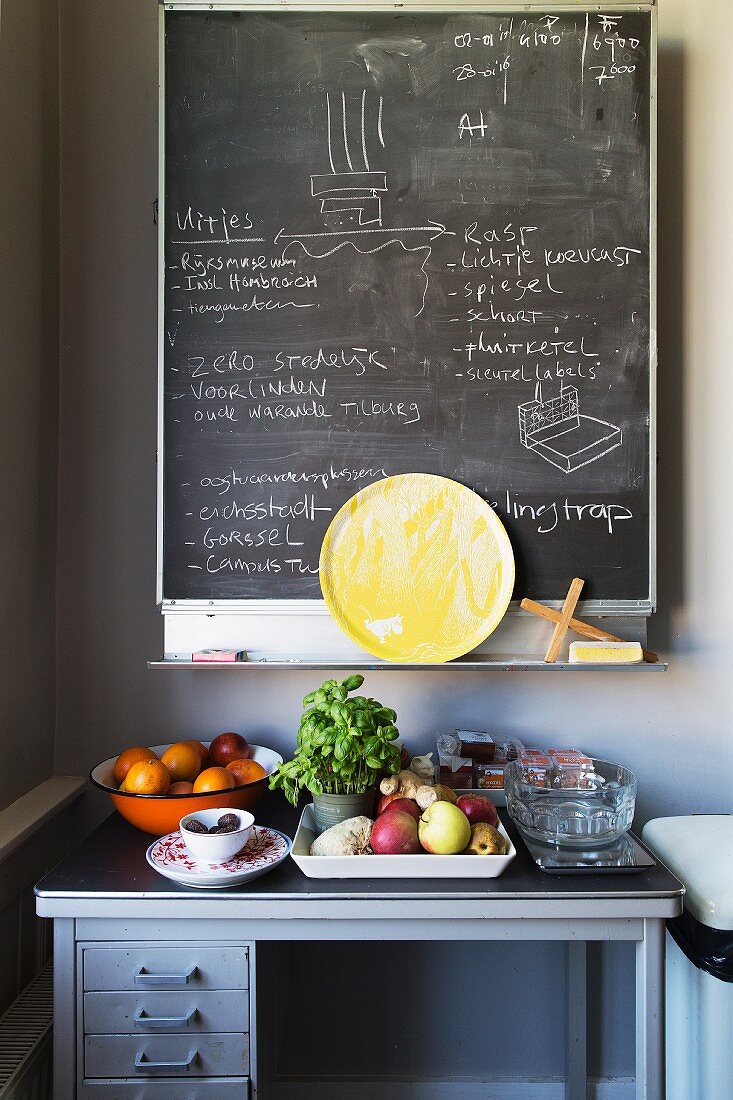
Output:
x,y
144,1065
146,979
151,1022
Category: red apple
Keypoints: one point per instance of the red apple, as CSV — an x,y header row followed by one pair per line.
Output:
x,y
395,834
384,800
227,747
478,809
404,805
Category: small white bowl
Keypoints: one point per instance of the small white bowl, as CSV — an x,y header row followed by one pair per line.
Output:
x,y
216,847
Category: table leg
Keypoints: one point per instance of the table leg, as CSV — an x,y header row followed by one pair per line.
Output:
x,y
576,1081
650,1083
64,1010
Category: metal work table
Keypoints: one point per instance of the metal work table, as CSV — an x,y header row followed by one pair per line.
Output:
x,y
105,891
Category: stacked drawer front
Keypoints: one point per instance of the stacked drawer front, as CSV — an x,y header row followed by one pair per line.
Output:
x,y
157,1012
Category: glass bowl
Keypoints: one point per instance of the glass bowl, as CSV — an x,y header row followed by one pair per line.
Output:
x,y
571,817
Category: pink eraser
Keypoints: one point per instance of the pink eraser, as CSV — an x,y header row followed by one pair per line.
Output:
x,y
223,655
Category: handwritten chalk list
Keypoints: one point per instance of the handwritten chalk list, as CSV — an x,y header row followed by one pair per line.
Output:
x,y
399,242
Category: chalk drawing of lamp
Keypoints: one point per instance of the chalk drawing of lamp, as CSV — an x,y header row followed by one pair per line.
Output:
x,y
349,195
557,432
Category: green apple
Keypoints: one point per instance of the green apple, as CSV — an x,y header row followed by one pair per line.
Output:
x,y
444,829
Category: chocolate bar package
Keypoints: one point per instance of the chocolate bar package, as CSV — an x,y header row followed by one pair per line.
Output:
x,y
477,744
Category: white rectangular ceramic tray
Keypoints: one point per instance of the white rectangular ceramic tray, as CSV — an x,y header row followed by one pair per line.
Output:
x,y
419,866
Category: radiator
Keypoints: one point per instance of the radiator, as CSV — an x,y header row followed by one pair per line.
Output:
x,y
25,1042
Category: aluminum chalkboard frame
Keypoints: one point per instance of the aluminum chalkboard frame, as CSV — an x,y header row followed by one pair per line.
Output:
x,y
276,606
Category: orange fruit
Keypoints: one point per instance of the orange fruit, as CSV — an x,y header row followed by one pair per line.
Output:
x,y
181,787
183,761
148,777
200,749
126,759
213,779
246,771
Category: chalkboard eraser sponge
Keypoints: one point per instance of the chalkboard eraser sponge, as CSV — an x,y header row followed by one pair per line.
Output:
x,y
227,656
605,653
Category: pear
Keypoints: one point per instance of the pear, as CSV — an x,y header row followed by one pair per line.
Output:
x,y
486,841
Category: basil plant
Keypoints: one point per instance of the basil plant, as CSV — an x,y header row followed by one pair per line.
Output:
x,y
344,746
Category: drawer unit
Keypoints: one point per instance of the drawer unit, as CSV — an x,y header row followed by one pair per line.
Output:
x,y
152,1011
161,1019
153,966
212,1088
202,1055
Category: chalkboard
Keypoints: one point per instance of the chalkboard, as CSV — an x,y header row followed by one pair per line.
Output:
x,y
406,242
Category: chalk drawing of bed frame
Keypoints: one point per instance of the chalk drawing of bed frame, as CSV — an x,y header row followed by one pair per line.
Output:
x,y
557,432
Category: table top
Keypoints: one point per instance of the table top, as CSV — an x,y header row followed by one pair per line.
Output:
x,y
110,864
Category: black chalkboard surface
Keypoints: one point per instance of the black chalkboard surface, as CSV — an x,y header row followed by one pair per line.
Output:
x,y
406,242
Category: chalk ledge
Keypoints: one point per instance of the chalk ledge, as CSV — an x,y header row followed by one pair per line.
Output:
x,y
470,663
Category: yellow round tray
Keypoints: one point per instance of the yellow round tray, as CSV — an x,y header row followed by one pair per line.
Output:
x,y
417,568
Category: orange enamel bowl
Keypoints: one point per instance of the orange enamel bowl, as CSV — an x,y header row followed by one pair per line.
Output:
x,y
161,813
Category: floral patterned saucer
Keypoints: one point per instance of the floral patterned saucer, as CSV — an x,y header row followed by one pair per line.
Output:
x,y
265,849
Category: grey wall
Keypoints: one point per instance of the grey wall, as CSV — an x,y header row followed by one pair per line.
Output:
x,y
28,388
674,729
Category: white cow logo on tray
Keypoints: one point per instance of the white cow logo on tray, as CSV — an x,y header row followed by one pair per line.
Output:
x,y
382,628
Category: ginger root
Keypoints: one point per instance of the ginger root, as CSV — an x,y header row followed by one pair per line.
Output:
x,y
410,785
405,783
439,793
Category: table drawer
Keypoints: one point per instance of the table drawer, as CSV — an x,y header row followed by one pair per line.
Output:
x,y
152,966
166,1055
217,1088
153,1011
